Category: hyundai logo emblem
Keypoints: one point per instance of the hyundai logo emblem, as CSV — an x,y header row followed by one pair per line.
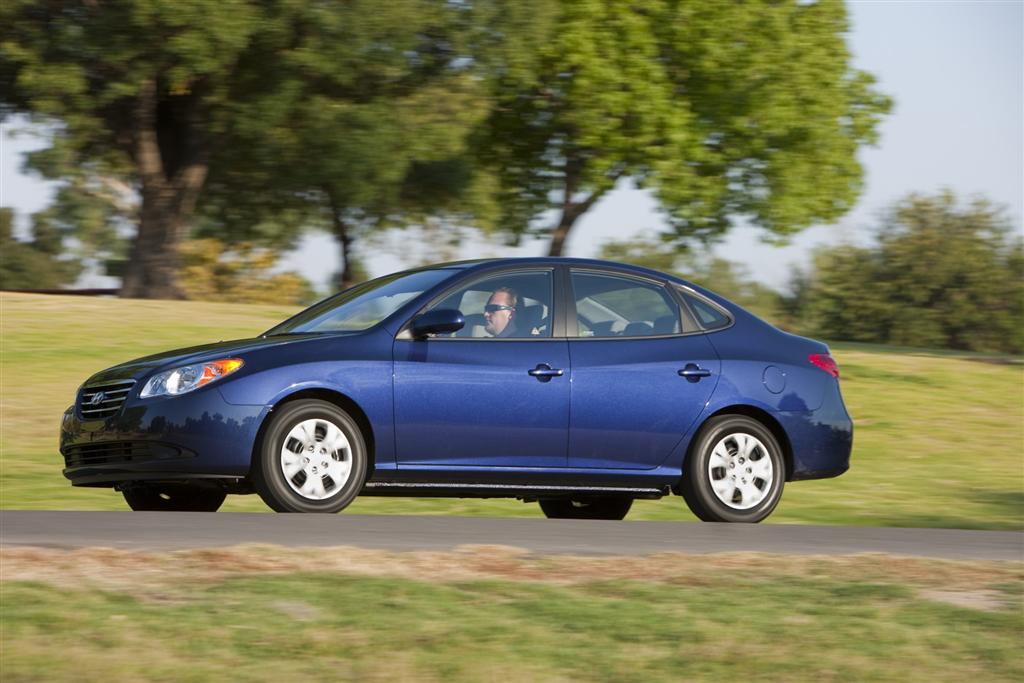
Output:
x,y
97,398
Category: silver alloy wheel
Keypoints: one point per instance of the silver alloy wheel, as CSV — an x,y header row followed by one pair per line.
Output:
x,y
316,459
740,471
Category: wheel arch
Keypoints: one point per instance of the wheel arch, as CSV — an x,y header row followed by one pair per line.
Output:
x,y
762,416
337,398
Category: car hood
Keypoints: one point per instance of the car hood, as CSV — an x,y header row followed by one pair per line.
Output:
x,y
136,369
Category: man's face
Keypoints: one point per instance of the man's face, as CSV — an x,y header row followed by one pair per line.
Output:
x,y
497,320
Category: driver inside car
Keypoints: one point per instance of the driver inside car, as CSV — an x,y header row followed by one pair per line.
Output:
x,y
500,313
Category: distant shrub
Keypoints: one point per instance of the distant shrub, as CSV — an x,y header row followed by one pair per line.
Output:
x,y
243,273
938,276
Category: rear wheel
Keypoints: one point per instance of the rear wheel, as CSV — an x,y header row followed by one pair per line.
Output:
x,y
735,471
586,508
173,498
312,458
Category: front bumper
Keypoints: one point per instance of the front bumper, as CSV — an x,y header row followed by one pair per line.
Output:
x,y
197,435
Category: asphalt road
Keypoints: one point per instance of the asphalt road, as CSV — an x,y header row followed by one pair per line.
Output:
x,y
174,531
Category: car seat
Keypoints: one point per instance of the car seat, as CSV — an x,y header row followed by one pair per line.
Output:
x,y
638,329
666,324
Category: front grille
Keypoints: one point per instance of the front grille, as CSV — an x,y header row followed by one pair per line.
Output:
x,y
120,451
103,400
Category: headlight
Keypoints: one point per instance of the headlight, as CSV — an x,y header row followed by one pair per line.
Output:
x,y
185,379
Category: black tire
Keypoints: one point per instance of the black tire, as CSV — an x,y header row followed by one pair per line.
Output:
x,y
269,478
697,486
173,498
586,508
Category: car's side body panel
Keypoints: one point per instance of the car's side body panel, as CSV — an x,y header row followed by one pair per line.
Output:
x,y
763,365
471,402
630,406
358,367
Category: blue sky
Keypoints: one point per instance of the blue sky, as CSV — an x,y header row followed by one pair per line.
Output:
x,y
955,70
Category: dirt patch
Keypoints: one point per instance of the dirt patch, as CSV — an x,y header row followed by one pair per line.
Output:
x,y
297,610
948,581
984,600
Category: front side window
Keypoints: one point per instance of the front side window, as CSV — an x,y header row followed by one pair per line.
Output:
x,y
363,306
609,306
507,306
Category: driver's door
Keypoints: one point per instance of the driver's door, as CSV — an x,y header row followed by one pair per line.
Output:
x,y
481,399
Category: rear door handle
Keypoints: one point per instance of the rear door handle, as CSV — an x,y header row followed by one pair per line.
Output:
x,y
693,372
544,372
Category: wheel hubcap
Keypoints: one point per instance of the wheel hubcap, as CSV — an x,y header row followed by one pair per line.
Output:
x,y
740,471
316,459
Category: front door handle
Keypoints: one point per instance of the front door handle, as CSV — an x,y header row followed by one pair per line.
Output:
x,y
544,372
693,372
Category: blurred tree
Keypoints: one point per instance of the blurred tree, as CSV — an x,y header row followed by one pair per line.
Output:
x,y
294,110
37,263
362,124
728,279
725,110
244,274
95,211
939,276
141,87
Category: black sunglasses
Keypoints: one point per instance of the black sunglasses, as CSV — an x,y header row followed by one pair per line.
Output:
x,y
494,308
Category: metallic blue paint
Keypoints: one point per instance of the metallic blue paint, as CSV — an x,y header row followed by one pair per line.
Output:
x,y
219,434
465,410
471,402
630,406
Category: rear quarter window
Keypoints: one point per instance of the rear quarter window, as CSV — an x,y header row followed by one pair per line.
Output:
x,y
709,316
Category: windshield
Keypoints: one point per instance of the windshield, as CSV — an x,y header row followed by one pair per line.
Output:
x,y
362,306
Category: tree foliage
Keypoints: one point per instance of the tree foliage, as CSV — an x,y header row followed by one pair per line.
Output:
x,y
360,96
36,263
140,87
729,279
270,116
940,275
242,273
725,110
363,122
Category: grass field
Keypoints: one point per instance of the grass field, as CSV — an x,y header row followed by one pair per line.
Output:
x,y
265,614
939,437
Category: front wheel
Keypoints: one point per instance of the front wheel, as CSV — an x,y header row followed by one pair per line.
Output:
x,y
312,458
589,508
173,498
735,471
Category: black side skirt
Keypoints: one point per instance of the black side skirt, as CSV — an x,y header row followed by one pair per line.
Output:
x,y
526,492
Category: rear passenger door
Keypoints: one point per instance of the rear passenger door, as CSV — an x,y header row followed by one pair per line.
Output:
x,y
628,342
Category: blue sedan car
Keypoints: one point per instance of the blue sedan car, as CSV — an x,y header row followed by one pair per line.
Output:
x,y
581,385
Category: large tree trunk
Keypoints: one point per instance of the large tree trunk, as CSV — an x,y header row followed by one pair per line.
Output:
x,y
343,234
172,165
561,232
572,210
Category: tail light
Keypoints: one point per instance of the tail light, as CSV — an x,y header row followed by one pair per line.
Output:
x,y
825,362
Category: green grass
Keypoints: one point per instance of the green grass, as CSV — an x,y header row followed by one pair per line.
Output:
x,y
939,437
328,626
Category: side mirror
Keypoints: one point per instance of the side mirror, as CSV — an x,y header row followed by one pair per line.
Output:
x,y
438,321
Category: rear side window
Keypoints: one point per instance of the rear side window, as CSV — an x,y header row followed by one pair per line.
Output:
x,y
610,306
710,317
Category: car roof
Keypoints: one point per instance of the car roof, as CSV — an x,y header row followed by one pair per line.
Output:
x,y
487,264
